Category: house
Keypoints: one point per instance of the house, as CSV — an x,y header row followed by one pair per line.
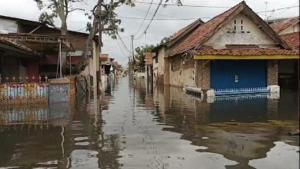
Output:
x,y
161,51
288,29
106,64
286,25
158,64
32,49
13,67
235,49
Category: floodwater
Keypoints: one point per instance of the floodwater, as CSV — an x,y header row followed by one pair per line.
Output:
x,y
136,127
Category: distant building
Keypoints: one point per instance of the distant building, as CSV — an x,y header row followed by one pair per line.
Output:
x,y
285,26
288,29
235,49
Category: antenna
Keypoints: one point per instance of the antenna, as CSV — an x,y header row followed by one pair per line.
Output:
x,y
266,7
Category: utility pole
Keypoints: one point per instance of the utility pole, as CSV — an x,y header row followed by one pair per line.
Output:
x,y
132,47
132,53
60,59
266,7
99,12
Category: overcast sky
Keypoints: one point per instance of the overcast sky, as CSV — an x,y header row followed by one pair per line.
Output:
x,y
27,9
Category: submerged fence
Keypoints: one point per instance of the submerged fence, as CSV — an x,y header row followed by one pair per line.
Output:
x,y
27,90
239,91
29,114
16,93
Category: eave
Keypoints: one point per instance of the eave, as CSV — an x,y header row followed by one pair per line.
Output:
x,y
260,57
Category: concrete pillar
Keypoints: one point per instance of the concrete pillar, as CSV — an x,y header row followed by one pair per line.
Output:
x,y
167,72
272,72
202,76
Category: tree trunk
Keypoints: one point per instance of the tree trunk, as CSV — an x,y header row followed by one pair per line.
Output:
x,y
64,28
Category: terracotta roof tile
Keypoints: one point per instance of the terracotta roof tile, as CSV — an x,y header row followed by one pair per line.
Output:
x,y
245,52
103,57
292,40
283,24
205,31
184,31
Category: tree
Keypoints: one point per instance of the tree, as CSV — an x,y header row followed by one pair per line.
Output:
x,y
140,56
103,20
61,9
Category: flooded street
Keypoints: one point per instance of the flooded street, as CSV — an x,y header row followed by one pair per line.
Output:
x,y
134,127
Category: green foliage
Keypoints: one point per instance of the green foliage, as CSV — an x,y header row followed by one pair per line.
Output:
x,y
109,18
140,56
60,9
165,40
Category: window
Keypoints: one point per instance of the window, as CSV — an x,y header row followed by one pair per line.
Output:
x,y
234,27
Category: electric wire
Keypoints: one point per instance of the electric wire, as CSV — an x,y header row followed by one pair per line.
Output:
x,y
123,43
169,4
144,19
154,14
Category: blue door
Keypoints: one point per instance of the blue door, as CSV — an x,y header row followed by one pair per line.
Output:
x,y
238,74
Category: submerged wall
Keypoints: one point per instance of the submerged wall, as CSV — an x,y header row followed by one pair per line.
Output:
x,y
182,72
203,74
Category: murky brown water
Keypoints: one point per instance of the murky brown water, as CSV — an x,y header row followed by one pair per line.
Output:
x,y
131,127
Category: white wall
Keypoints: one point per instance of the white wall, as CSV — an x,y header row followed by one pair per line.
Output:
x,y
159,67
161,60
93,66
8,26
252,34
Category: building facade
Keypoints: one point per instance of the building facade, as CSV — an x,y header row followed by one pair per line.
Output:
x,y
288,29
32,49
235,49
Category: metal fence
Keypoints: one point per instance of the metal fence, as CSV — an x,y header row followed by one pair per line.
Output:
x,y
20,93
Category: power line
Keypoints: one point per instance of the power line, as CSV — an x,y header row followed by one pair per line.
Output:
x,y
154,14
162,19
169,4
121,49
207,6
278,9
144,19
123,43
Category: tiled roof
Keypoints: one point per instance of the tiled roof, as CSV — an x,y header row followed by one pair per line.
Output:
x,y
292,39
245,52
203,32
186,30
103,57
283,24
208,29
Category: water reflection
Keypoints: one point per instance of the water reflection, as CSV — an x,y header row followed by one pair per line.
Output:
x,y
134,126
242,130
